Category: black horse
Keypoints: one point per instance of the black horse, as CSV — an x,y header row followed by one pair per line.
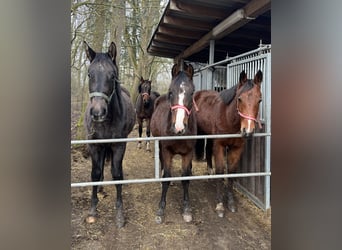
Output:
x,y
144,107
173,116
109,114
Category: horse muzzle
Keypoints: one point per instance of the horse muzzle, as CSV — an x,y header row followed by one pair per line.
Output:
x,y
178,129
246,133
98,114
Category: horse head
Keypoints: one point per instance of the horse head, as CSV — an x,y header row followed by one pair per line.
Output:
x,y
180,96
103,77
144,90
247,102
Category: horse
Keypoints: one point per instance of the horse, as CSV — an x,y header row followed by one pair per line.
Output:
x,y
144,107
233,110
109,114
174,116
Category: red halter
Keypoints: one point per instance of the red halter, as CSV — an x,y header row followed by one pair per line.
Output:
x,y
181,107
248,117
185,108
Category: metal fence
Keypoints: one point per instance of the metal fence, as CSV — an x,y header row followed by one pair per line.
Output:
x,y
157,177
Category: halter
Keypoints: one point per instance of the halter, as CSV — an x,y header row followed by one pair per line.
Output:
x,y
187,111
104,96
145,94
248,117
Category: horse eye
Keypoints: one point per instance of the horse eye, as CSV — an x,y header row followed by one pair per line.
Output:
x,y
239,99
260,100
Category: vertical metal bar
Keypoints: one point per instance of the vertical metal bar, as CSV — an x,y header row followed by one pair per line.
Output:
x,y
211,61
156,159
268,130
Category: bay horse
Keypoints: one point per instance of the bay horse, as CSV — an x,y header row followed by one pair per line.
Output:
x,y
174,116
231,111
109,114
144,107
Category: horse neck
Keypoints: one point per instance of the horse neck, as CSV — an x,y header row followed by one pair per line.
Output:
x,y
232,115
115,106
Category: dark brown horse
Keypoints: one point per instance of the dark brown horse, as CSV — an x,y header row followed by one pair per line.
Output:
x,y
230,111
174,116
144,107
109,114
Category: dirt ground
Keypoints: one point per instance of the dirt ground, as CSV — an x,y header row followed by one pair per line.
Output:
x,y
248,228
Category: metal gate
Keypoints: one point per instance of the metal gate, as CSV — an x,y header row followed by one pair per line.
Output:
x,y
256,156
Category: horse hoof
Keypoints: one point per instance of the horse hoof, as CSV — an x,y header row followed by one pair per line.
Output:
x,y
120,220
90,219
120,224
159,219
220,209
187,217
232,208
211,171
139,145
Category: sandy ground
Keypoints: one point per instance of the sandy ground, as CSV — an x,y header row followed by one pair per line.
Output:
x,y
248,228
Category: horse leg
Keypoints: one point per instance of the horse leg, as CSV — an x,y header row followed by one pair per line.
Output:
x,y
233,158
219,169
148,133
97,157
166,166
117,174
186,171
208,155
140,128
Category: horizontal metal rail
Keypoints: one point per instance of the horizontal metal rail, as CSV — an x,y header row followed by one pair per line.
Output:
x,y
166,138
160,179
199,177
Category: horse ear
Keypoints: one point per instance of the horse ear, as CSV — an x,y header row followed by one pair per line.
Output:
x,y
175,70
243,77
141,79
90,53
112,52
189,70
139,88
258,77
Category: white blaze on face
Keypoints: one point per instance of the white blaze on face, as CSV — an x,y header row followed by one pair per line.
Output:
x,y
249,122
180,113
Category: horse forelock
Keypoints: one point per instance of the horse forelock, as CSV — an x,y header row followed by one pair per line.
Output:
x,y
103,62
182,79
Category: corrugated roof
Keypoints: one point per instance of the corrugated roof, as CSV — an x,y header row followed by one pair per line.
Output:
x,y
186,27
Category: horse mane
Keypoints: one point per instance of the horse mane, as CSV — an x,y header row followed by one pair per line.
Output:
x,y
155,93
161,98
228,95
180,77
125,90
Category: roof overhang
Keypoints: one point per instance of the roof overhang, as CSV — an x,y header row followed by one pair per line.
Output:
x,y
187,26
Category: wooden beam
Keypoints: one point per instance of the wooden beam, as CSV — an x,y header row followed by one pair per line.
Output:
x,y
173,39
184,22
179,32
196,10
